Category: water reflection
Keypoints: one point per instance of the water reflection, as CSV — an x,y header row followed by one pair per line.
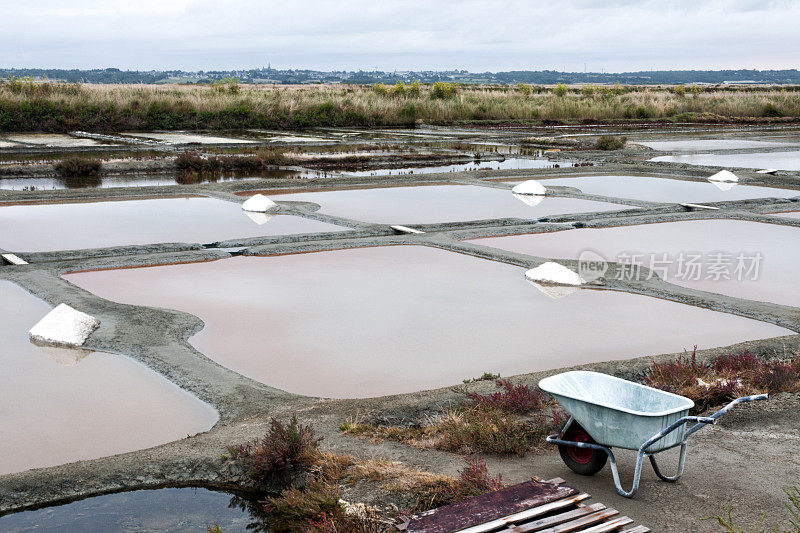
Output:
x,y
144,180
172,510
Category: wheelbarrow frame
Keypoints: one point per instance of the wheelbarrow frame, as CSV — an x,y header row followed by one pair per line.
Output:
x,y
699,423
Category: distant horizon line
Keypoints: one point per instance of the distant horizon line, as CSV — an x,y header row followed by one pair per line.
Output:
x,y
397,70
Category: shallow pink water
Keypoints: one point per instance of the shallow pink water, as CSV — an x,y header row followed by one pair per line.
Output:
x,y
376,321
779,160
666,190
59,405
440,203
775,279
36,228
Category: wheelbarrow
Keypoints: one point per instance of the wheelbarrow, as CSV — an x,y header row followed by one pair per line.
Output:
x,y
608,412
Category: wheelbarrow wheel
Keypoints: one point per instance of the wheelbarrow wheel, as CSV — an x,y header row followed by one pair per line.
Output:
x,y
583,461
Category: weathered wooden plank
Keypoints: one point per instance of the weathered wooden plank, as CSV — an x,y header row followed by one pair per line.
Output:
x,y
560,518
405,229
637,529
700,206
581,523
525,515
556,481
489,507
611,525
13,259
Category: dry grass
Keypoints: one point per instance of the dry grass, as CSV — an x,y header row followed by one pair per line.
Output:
x,y
514,420
63,107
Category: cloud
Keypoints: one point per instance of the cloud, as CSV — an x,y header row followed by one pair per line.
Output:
x,y
613,35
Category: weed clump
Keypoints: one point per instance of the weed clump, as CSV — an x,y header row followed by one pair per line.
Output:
x,y
517,399
473,480
728,523
725,378
609,142
771,110
78,167
284,449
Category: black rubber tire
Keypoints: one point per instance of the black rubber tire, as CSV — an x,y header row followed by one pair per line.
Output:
x,y
583,461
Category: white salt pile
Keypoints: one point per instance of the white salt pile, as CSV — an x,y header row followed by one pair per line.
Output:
x,y
555,273
724,175
529,187
258,204
64,326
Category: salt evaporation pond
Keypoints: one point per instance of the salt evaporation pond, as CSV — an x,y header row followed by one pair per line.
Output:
x,y
790,214
776,160
693,145
376,321
170,510
178,137
655,189
61,405
776,279
515,163
52,140
69,226
441,203
137,180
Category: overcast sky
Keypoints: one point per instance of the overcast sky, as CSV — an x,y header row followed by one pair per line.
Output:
x,y
477,35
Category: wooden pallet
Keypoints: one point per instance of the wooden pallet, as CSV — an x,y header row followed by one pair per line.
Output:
x,y
541,507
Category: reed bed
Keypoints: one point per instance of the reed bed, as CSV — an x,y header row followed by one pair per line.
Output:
x,y
59,107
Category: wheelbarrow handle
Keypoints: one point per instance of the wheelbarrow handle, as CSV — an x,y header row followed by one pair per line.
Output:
x,y
737,401
713,417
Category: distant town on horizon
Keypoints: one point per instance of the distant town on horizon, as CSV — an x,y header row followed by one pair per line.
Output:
x,y
304,76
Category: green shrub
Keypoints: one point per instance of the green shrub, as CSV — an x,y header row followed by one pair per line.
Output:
x,y
444,90
771,110
413,89
679,90
608,142
78,167
560,90
399,89
381,89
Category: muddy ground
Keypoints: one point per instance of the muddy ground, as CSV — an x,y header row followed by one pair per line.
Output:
x,y
746,460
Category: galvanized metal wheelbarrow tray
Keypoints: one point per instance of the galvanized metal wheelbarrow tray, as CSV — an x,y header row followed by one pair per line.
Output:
x,y
618,413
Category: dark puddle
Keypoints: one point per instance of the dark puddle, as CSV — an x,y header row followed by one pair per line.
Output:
x,y
171,510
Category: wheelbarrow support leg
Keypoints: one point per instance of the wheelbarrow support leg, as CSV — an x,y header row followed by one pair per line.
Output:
x,y
681,462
